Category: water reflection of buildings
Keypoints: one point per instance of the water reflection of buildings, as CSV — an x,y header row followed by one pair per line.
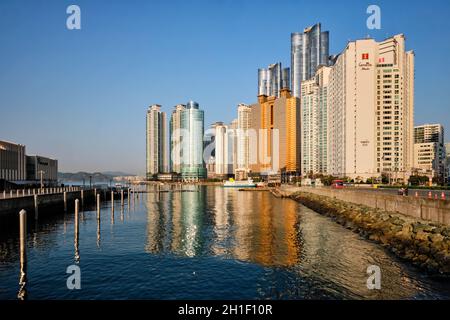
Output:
x,y
265,229
223,222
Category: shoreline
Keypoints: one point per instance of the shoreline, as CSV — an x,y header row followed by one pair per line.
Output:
x,y
422,243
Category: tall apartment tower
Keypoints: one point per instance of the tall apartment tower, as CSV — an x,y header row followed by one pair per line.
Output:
x,y
243,139
272,80
370,110
233,145
222,149
157,158
430,151
314,123
277,145
192,124
309,50
447,162
175,139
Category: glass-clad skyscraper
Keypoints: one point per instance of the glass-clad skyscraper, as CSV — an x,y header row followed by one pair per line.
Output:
x,y
175,139
272,80
192,125
156,142
309,50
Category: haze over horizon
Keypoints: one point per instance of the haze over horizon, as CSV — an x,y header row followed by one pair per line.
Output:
x,y
81,96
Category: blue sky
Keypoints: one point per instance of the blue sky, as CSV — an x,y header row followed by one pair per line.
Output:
x,y
81,95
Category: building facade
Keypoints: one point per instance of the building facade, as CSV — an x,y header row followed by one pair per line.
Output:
x,y
429,151
175,139
192,125
309,50
370,110
447,163
233,145
314,123
272,80
276,142
12,161
157,153
243,141
37,165
222,150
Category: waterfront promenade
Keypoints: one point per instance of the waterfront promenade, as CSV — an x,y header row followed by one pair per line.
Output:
x,y
434,210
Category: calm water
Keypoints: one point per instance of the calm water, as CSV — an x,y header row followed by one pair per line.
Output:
x,y
211,243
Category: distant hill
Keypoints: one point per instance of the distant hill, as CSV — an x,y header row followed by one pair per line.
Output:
x,y
116,174
96,176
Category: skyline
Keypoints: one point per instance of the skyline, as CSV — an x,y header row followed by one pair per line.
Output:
x,y
219,73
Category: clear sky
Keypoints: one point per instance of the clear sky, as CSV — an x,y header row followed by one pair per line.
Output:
x,y
81,95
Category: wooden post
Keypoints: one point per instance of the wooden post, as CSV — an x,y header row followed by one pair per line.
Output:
x,y
65,201
23,254
76,231
77,205
36,209
82,199
4,194
121,197
98,206
112,200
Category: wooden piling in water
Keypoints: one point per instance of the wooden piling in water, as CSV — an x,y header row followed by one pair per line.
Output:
x,y
98,206
23,254
65,201
112,200
121,197
36,209
76,231
82,199
77,203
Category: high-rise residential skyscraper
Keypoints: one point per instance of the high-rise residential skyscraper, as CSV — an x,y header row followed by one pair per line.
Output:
x,y
175,139
447,162
309,50
275,122
314,99
221,149
192,125
429,151
243,139
272,80
156,141
233,145
370,110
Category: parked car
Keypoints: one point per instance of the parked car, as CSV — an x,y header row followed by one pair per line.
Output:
x,y
337,184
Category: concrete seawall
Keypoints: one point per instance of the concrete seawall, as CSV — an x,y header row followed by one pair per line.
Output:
x,y
420,208
11,206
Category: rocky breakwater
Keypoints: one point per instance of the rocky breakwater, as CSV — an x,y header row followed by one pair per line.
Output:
x,y
425,244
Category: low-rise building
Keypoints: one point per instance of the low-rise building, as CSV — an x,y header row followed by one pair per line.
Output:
x,y
38,165
12,161
429,151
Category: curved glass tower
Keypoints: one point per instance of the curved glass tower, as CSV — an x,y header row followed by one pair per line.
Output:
x,y
192,125
309,50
